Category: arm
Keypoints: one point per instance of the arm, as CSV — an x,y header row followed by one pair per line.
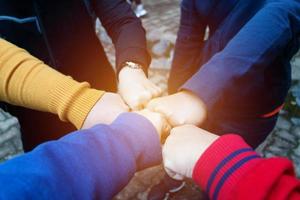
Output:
x,y
89,164
126,31
252,49
230,169
128,36
27,81
226,167
188,45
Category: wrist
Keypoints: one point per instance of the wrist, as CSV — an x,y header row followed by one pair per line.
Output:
x,y
72,101
131,70
222,165
132,65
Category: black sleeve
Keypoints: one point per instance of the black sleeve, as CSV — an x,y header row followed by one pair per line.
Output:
x,y
125,30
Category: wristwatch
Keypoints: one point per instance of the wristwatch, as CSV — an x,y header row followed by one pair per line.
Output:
x,y
132,65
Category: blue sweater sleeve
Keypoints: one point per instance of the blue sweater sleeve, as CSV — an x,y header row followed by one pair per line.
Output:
x,y
89,164
254,47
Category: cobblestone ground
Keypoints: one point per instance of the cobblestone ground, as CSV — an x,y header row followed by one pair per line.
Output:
x,y
10,137
161,25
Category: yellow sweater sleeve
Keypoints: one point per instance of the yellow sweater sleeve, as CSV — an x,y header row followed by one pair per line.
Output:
x,y
26,81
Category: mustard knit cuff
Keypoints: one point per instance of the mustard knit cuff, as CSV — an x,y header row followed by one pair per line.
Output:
x,y
72,101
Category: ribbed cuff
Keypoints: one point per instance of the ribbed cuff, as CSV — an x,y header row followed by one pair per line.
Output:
x,y
72,101
223,164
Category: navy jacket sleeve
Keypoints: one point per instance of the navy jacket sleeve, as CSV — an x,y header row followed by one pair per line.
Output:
x,y
126,31
256,45
89,164
188,44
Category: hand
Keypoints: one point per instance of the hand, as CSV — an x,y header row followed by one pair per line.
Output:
x,y
183,148
159,122
180,108
106,110
135,88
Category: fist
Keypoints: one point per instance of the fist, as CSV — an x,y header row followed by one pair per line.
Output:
x,y
180,108
183,148
159,122
135,88
106,110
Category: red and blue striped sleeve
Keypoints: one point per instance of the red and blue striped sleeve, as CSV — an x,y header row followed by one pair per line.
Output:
x,y
231,169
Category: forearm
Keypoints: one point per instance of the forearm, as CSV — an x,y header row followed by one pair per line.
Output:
x,y
229,168
88,164
188,46
249,52
27,81
126,31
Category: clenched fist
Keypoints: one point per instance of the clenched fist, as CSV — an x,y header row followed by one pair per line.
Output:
x,y
106,110
135,88
180,108
159,122
183,148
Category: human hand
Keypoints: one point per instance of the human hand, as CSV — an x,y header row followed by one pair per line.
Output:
x,y
183,148
106,110
135,88
181,108
158,120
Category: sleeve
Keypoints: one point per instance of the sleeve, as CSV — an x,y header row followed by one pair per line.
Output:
x,y
188,44
126,31
262,39
230,169
27,81
94,163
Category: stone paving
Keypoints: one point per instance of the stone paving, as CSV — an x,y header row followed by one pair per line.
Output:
x,y
10,136
161,25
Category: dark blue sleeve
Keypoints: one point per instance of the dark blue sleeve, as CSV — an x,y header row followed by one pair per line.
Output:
x,y
261,40
188,45
89,164
125,29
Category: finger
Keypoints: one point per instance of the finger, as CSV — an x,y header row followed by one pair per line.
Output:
x,y
157,91
166,127
123,105
175,120
134,104
152,90
138,99
156,104
163,110
145,98
152,104
165,133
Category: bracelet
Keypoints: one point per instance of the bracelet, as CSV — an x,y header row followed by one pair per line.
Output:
x,y
132,65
